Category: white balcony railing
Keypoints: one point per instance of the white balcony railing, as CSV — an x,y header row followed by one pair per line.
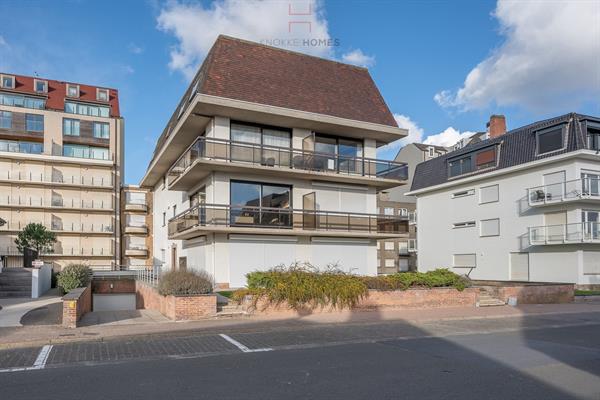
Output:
x,y
577,189
62,227
579,232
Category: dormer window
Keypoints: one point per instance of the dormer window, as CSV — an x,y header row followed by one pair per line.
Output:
x,y
102,94
550,139
593,134
40,86
431,152
7,81
474,161
72,90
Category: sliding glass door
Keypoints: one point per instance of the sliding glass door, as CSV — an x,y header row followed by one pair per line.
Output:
x,y
591,225
260,204
342,155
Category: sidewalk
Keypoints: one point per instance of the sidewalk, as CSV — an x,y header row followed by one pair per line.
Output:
x,y
13,309
39,335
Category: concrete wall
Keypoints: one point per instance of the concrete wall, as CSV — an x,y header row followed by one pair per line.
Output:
x,y
438,240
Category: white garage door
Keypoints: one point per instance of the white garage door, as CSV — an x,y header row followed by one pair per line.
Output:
x,y
348,255
251,253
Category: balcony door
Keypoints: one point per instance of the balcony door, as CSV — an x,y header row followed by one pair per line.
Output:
x,y
555,226
591,184
260,204
337,154
555,186
260,145
591,225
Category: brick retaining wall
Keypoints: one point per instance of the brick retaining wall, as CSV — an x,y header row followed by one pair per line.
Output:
x,y
538,294
177,308
76,303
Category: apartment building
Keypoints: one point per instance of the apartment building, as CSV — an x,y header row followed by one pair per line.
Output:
x,y
522,205
269,159
396,255
61,148
136,227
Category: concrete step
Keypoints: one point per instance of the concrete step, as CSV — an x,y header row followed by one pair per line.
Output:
x,y
490,303
15,293
11,286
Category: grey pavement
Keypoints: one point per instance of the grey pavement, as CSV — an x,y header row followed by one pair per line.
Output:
x,y
13,309
550,356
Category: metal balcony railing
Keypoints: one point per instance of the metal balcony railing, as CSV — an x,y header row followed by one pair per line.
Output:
x,y
284,157
58,251
56,202
577,189
34,177
284,219
62,227
579,232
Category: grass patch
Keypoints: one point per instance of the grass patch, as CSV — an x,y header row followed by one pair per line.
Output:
x,y
587,292
304,286
226,293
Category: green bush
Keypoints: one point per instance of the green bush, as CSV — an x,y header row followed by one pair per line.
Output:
x,y
302,286
73,276
183,282
405,280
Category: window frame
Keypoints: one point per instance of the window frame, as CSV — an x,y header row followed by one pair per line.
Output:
x,y
3,117
431,151
261,127
12,78
101,124
72,120
35,88
593,139
102,90
472,157
70,86
27,115
547,130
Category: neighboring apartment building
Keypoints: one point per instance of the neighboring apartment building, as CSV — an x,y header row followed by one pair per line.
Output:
x,y
522,205
136,227
399,254
269,159
61,151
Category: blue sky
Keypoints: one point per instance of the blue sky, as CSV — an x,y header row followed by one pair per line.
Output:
x,y
442,66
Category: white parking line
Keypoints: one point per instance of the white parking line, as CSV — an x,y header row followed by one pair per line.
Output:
x,y
240,346
40,361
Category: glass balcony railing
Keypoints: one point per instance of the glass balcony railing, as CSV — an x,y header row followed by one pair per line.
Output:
x,y
35,177
62,227
56,203
579,232
578,189
283,157
285,219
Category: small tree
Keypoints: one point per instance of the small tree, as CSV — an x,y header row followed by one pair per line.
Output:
x,y
37,237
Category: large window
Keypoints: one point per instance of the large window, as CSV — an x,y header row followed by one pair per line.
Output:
x,y
34,123
101,130
97,153
260,204
551,139
5,120
256,137
7,81
593,131
472,162
17,100
70,127
87,109
21,146
346,152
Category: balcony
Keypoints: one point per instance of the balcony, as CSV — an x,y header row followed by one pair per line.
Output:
x,y
134,206
575,233
59,251
206,218
211,154
584,189
56,203
136,250
136,229
58,179
63,227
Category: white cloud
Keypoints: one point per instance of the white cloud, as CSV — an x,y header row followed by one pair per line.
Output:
x,y
196,27
3,42
448,137
357,57
135,49
549,60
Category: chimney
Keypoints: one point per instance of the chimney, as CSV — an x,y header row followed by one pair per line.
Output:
x,y
497,126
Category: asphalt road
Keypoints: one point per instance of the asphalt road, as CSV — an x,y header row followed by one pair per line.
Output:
x,y
544,357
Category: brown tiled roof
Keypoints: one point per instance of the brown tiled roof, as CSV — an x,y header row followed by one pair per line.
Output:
x,y
57,93
257,73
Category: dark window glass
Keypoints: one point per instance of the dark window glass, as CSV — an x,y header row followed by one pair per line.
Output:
x,y
594,138
5,119
34,123
551,140
485,159
460,166
325,145
255,204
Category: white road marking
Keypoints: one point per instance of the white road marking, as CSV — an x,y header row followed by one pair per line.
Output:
x,y
40,361
240,346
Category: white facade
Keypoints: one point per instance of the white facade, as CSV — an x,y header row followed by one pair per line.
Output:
x,y
480,226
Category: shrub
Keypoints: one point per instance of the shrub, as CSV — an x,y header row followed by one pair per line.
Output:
x,y
73,276
405,280
302,286
183,282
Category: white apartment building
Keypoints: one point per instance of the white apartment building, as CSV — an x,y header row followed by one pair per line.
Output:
x,y
61,152
270,159
522,205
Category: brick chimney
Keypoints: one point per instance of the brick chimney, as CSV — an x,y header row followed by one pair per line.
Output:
x,y
497,126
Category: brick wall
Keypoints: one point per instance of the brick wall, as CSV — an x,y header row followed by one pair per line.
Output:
x,y
113,285
177,308
76,303
538,294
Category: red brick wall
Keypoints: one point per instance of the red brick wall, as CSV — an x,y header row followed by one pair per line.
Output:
x,y
393,299
177,308
538,294
74,309
103,286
